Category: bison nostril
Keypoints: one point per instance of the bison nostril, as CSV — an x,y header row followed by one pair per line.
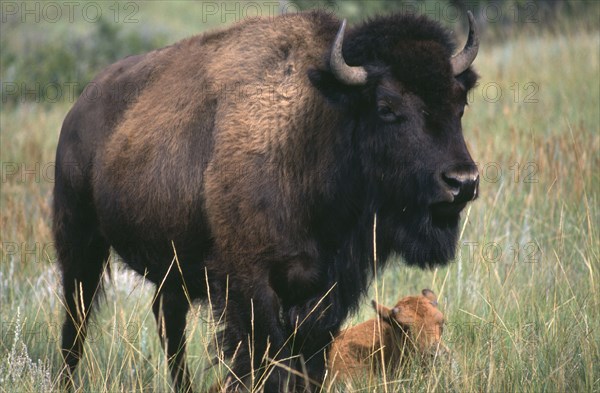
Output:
x,y
462,185
453,184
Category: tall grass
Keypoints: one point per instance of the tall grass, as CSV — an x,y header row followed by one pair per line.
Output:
x,y
521,300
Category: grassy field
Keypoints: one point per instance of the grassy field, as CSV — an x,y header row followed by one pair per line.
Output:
x,y
521,300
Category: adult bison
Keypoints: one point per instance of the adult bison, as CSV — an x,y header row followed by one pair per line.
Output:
x,y
260,154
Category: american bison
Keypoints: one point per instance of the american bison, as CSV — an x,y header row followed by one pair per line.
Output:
x,y
412,327
259,155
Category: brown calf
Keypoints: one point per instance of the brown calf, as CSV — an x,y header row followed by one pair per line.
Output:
x,y
413,326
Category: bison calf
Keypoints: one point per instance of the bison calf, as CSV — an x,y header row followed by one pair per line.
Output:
x,y
413,326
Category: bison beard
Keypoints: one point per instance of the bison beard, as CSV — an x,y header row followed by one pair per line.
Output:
x,y
264,178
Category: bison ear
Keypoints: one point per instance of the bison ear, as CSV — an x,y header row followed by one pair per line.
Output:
x,y
468,80
428,293
334,91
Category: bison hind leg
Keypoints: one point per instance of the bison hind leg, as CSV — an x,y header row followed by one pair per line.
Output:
x,y
82,255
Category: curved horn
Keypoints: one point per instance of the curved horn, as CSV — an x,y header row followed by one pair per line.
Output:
x,y
343,72
461,61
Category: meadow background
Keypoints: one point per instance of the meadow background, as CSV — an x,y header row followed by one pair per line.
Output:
x,y
522,298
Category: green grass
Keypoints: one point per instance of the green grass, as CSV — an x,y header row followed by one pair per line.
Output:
x,y
521,300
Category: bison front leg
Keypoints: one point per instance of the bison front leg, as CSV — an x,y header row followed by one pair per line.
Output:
x,y
314,323
310,313
256,340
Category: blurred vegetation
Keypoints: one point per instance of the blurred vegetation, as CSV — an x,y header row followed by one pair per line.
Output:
x,y
380,6
36,61
501,16
46,59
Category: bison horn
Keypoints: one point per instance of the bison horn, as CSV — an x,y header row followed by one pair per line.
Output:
x,y
342,71
461,61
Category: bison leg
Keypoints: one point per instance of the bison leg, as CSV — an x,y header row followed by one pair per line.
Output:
x,y
170,311
257,341
315,323
82,254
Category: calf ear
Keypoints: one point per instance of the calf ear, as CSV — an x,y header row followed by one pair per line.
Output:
x,y
428,293
384,312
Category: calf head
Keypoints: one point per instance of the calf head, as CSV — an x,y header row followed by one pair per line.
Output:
x,y
416,323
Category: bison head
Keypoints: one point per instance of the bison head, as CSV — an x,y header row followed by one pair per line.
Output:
x,y
403,95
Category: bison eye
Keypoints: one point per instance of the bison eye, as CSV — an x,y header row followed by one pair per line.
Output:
x,y
385,113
